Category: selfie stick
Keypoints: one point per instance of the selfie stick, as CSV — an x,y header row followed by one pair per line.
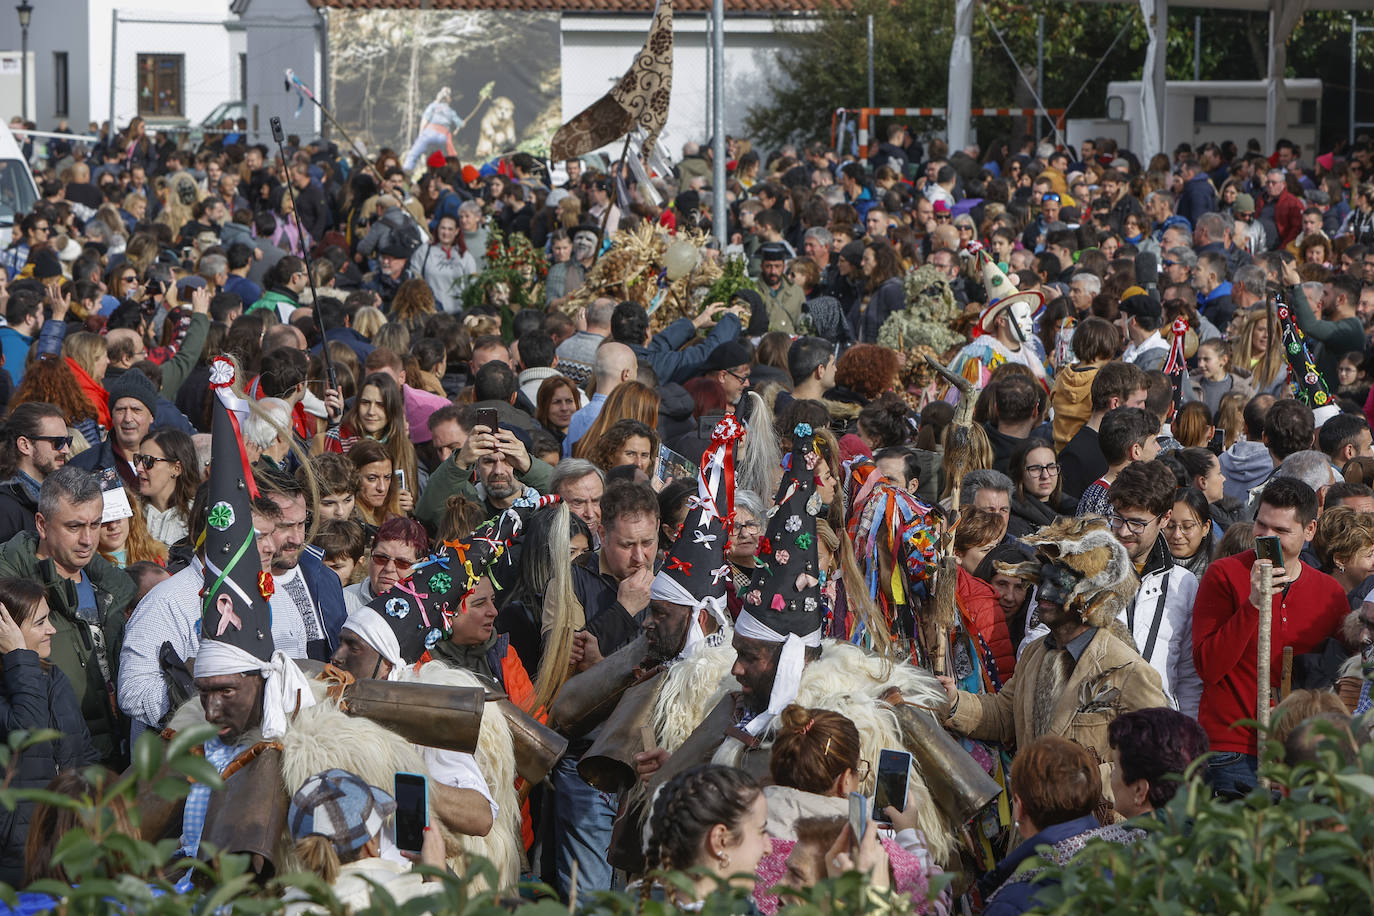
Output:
x,y
305,256
1266,622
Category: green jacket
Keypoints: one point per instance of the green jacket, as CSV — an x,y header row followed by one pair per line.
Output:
x,y
449,479
175,370
1337,337
270,300
73,645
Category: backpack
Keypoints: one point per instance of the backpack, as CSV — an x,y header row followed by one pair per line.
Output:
x,y
403,229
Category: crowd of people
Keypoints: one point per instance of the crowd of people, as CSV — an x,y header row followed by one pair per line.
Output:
x,y
423,426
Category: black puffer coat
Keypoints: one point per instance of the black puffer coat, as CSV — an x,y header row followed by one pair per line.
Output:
x,y
36,696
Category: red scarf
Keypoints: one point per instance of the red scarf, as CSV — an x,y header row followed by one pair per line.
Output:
x,y
94,392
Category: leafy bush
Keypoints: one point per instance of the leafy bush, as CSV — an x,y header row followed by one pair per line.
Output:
x,y
1307,846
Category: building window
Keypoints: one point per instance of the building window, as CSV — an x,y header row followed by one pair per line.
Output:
x,y
159,85
59,69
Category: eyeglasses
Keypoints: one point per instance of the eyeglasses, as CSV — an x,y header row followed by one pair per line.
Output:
x,y
59,443
1183,527
383,561
746,528
147,461
1043,470
1133,525
1168,263
743,378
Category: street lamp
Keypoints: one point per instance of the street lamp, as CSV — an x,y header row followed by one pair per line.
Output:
x,y
25,14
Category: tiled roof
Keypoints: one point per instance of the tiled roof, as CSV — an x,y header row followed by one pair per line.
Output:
x,y
585,6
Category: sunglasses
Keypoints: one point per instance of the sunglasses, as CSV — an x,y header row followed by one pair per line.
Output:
x,y
1050,196
383,561
59,443
147,461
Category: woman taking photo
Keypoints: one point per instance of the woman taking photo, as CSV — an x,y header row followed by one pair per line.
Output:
x,y
883,286
125,541
1039,495
1189,535
380,495
555,404
37,696
378,414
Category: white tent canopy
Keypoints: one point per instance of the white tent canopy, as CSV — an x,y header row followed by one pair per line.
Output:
x,y
1283,19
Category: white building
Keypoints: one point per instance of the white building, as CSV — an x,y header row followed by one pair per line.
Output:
x,y
175,62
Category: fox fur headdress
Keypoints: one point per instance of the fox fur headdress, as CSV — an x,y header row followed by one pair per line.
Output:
x,y
1107,581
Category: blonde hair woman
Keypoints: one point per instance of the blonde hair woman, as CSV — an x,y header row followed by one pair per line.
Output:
x,y
1258,349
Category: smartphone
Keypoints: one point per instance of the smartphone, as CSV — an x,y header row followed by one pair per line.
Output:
x,y
412,811
1267,548
487,417
401,478
889,788
858,816
1217,443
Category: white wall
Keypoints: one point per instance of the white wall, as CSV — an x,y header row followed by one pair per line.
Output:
x,y
598,49
56,25
281,34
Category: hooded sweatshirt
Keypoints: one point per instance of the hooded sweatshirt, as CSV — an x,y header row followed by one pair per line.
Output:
x,y
1245,465
1072,402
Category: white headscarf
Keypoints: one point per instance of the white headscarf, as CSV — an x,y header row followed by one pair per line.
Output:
x,y
368,624
787,679
285,686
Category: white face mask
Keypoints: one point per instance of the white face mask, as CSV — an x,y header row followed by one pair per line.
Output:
x,y
1022,324
583,246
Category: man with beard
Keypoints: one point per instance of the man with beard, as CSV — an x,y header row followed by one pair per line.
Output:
x,y
1339,328
304,586
505,471
685,615
34,443
133,404
1074,681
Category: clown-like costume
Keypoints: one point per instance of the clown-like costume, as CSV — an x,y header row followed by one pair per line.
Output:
x,y
996,341
437,126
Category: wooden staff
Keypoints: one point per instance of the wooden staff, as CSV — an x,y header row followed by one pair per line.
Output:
x,y
1266,626
944,614
1286,678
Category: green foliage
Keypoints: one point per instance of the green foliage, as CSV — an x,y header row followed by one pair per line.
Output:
x,y
730,282
1309,850
925,322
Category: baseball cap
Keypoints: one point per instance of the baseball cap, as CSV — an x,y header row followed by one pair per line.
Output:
x,y
340,807
1141,305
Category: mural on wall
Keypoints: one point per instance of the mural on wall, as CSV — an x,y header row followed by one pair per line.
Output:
x,y
472,83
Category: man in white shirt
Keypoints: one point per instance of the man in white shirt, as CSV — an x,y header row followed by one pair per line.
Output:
x,y
303,585
1140,318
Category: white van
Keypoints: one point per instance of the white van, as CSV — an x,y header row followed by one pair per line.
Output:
x,y
18,192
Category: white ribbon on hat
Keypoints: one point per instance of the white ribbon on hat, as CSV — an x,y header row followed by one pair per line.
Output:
x,y
285,686
666,588
374,630
787,678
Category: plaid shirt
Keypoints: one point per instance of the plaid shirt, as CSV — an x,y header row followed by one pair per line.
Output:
x,y
220,756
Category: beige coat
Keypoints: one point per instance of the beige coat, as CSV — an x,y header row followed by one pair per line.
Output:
x,y
1107,661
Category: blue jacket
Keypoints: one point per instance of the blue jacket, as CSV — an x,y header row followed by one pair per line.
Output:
x,y
1196,198
327,592
672,364
16,345
1017,898
355,341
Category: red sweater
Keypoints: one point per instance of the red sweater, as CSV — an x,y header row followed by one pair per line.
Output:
x,y
978,601
1226,640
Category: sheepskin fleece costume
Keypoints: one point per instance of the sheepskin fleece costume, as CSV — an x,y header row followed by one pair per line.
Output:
x,y
323,736
845,679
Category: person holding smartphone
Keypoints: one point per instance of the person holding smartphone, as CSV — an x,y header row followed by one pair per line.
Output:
x,y
336,821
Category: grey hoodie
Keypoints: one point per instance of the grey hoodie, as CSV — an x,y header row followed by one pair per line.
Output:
x,y
1245,465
